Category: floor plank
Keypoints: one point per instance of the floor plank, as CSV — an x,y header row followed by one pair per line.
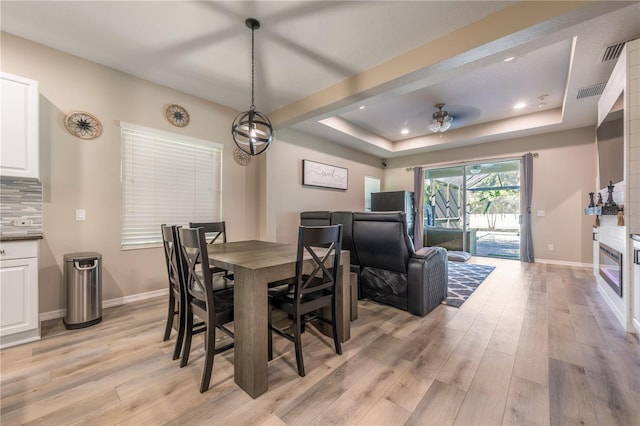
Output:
x,y
527,403
439,405
570,399
485,401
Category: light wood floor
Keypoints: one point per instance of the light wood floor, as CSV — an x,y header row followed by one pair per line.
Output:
x,y
534,345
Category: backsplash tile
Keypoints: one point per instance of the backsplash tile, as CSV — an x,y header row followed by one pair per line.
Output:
x,y
20,198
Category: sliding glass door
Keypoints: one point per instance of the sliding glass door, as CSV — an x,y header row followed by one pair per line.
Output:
x,y
493,208
444,201
474,208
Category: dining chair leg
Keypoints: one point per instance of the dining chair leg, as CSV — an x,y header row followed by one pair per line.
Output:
x,y
170,314
187,338
334,325
298,345
210,346
180,338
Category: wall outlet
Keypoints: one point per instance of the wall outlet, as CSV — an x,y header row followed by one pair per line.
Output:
x,y
550,247
81,215
22,222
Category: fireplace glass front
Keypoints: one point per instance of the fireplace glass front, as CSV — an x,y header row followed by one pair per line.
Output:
x,y
611,267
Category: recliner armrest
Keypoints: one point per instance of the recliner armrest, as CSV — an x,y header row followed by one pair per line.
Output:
x,y
427,279
426,252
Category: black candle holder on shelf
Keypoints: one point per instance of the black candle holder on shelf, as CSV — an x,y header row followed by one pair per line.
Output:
x,y
592,209
610,207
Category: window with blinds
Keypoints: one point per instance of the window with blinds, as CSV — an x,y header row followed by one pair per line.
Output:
x,y
166,179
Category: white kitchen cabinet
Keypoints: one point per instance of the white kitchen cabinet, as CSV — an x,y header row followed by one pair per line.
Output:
x,y
19,317
635,283
19,139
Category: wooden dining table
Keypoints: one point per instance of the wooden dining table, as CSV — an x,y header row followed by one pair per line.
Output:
x,y
255,264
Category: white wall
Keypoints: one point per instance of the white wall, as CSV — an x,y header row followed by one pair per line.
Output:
x,y
563,175
284,193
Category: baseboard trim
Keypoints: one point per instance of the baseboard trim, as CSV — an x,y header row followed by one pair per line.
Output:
x,y
60,313
565,263
134,298
616,312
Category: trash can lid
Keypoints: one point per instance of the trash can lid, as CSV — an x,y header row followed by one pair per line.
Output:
x,y
84,255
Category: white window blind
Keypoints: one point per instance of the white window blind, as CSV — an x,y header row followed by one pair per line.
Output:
x,y
166,178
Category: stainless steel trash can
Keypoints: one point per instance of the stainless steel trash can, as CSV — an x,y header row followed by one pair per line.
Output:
x,y
83,281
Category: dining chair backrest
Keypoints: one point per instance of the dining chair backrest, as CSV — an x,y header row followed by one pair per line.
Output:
x,y
177,295
171,253
212,230
323,243
198,278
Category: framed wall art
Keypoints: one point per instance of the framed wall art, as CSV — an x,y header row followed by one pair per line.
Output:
x,y
324,175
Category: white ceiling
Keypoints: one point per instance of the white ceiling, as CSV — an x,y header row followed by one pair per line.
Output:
x,y
305,48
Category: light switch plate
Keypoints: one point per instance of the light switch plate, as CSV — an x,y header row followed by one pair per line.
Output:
x,y
81,215
540,212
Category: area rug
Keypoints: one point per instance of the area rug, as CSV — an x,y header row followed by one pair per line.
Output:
x,y
464,279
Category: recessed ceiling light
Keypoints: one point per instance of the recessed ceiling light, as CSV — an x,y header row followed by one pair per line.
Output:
x,y
510,58
404,131
362,107
519,105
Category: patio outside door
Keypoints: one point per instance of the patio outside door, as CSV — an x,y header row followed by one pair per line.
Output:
x,y
493,208
474,208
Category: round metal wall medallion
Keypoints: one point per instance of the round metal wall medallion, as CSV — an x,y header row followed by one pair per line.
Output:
x,y
177,115
83,125
241,157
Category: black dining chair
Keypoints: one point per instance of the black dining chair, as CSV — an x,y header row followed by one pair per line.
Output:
x,y
306,294
176,295
214,308
214,232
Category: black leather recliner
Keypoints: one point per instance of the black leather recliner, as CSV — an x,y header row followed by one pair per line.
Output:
x,y
392,272
315,218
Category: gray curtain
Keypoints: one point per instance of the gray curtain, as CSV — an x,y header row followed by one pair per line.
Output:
x,y
526,188
418,204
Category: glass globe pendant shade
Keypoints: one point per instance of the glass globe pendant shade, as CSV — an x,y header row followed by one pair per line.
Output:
x,y
252,132
441,125
441,120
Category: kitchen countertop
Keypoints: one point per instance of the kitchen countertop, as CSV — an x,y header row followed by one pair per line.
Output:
x,y
4,238
635,237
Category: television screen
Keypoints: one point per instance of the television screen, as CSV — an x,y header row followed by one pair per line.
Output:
x,y
610,136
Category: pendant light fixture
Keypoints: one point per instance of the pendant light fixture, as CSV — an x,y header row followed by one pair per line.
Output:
x,y
252,131
441,120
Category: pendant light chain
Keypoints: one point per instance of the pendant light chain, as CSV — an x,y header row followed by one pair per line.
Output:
x,y
252,71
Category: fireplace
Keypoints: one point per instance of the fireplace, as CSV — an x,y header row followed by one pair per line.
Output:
x,y
611,267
